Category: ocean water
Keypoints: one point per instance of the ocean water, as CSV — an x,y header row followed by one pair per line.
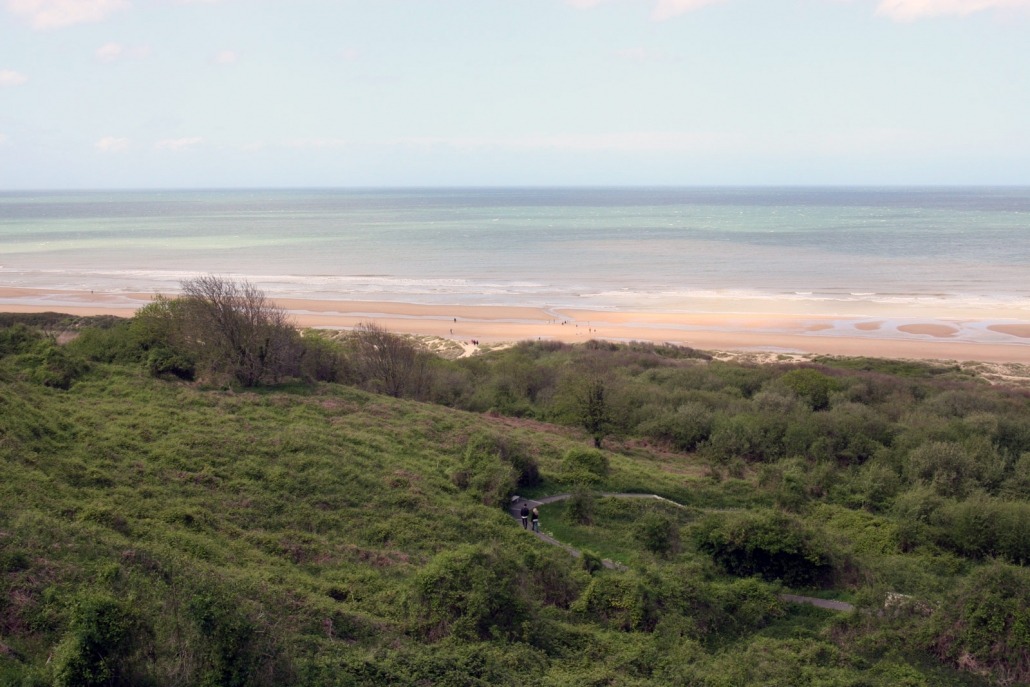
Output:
x,y
946,252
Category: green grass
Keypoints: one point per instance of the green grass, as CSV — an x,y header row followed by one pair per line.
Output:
x,y
279,536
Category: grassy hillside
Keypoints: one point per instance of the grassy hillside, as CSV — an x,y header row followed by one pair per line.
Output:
x,y
157,532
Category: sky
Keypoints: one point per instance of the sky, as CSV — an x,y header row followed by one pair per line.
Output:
x,y
98,94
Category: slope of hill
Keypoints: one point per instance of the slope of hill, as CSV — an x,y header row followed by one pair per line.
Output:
x,y
162,533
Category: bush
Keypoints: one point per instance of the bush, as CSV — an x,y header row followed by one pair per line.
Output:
x,y
165,362
658,533
19,338
982,527
228,651
686,428
55,368
584,466
117,343
579,509
98,645
493,466
591,561
766,543
811,386
749,436
470,593
954,469
621,601
985,626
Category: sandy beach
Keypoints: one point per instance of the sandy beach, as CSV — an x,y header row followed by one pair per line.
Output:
x,y
884,337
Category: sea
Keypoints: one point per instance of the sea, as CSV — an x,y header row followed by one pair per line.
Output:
x,y
947,252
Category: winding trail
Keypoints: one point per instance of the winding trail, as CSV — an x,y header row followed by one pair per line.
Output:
x,y
516,506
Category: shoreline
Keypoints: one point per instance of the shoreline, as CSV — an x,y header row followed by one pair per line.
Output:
x,y
925,338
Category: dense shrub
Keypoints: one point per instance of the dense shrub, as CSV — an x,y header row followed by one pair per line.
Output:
x,y
117,343
985,626
492,466
470,593
982,527
99,644
19,338
584,466
954,469
685,428
56,368
620,601
767,543
228,651
579,509
812,386
166,362
749,436
658,533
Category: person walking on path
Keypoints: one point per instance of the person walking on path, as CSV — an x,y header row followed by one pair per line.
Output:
x,y
525,515
536,520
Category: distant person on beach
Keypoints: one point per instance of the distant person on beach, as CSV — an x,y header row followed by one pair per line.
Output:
x,y
525,515
536,520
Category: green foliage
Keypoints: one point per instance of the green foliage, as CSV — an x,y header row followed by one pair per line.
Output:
x,y
55,368
322,360
983,527
658,533
812,386
591,561
767,543
584,466
985,626
19,338
471,593
952,469
229,656
166,362
753,437
579,509
317,534
117,343
685,428
493,466
98,644
619,601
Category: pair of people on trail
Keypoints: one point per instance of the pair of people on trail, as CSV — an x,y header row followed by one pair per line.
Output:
x,y
526,515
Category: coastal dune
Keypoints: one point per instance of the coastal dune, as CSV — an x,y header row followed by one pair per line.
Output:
x,y
883,337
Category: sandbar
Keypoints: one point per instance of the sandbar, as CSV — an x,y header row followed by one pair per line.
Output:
x,y
785,332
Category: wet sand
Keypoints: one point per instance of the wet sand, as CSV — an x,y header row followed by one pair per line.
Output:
x,y
910,338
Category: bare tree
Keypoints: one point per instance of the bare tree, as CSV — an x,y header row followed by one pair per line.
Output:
x,y
390,363
237,331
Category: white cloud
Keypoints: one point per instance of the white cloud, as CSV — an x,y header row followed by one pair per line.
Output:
x,y
666,9
622,142
109,52
316,143
177,144
639,54
3,139
56,14
662,10
909,10
112,144
899,10
9,77
112,52
225,57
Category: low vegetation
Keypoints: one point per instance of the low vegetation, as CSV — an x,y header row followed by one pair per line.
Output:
x,y
333,515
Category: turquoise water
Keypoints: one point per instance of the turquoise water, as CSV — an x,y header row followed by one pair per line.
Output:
x,y
826,250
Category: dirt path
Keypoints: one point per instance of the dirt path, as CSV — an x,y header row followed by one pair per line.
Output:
x,y
516,506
